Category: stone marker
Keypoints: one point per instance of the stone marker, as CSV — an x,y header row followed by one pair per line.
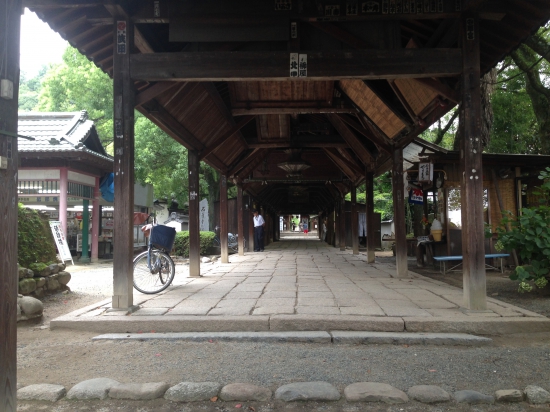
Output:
x,y
307,391
473,397
192,391
244,392
97,388
374,392
139,391
41,392
428,394
537,395
509,395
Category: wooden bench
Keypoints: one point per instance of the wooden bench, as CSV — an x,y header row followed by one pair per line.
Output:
x,y
443,259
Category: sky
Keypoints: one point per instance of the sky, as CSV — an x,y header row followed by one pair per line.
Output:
x,y
40,45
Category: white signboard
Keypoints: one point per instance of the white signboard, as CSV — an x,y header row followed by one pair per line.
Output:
x,y
203,218
60,241
425,172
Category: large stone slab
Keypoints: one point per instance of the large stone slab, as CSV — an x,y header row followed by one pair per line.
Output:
x,y
244,392
139,391
473,397
97,388
536,395
481,325
428,394
41,392
406,338
374,392
336,322
307,391
192,391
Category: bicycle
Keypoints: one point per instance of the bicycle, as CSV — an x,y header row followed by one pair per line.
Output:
x,y
154,269
232,240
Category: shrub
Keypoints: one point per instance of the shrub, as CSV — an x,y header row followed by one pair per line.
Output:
x,y
181,244
34,238
530,236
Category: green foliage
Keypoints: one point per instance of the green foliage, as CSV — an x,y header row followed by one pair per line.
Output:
x,y
530,236
181,244
34,238
29,90
383,198
37,267
75,85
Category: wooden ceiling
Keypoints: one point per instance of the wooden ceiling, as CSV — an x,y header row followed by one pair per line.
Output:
x,y
215,75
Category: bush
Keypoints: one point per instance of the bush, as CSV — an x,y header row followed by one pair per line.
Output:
x,y
34,238
530,236
181,244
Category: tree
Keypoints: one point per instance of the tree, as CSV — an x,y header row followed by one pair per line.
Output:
x,y
29,90
77,84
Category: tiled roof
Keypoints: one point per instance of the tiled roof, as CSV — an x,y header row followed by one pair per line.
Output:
x,y
58,132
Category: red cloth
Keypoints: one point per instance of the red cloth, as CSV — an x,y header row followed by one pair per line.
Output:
x,y
140,218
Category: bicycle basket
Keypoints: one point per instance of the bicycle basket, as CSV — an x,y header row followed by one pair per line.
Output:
x,y
163,237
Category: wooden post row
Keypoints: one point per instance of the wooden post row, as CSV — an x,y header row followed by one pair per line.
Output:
x,y
399,213
223,220
194,210
354,221
371,225
240,219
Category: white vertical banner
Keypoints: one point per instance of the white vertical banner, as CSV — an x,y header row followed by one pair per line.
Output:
x,y
60,241
293,64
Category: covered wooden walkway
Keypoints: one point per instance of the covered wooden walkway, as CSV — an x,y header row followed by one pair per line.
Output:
x,y
295,102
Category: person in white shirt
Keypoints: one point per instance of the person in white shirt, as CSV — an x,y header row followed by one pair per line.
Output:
x,y
259,224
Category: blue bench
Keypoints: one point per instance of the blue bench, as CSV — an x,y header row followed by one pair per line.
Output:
x,y
443,259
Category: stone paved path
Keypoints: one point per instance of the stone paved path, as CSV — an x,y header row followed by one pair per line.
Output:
x,y
303,278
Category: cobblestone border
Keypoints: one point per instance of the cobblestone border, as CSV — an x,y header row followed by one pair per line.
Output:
x,y
104,388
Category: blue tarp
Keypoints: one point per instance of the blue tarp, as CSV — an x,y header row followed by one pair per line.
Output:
x,y
107,187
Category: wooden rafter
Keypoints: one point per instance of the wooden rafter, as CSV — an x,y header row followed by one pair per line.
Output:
x,y
291,110
403,100
351,139
259,157
343,35
242,162
376,137
153,91
349,170
226,136
442,89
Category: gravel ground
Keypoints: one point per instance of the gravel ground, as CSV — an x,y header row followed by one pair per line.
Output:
x,y
65,357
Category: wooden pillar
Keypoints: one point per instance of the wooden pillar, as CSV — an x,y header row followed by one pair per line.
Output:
x,y
85,257
473,244
399,213
371,225
123,215
194,211
251,247
354,221
223,219
63,194
342,224
95,221
240,222
9,49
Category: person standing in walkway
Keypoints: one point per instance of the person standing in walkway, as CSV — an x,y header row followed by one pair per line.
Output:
x,y
259,224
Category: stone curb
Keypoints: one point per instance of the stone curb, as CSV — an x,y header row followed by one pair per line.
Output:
x,y
336,337
365,392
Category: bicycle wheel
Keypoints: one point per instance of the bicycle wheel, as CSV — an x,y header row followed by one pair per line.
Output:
x,y
157,276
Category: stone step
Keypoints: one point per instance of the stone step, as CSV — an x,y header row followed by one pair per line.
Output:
x,y
332,337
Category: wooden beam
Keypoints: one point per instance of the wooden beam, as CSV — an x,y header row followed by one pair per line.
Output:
x,y
123,107
142,44
223,220
340,34
399,214
193,165
443,90
334,65
403,100
291,110
471,189
258,158
348,169
226,136
153,91
240,163
351,139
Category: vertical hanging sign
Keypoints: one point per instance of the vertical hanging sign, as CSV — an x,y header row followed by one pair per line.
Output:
x,y
302,65
293,64
121,39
